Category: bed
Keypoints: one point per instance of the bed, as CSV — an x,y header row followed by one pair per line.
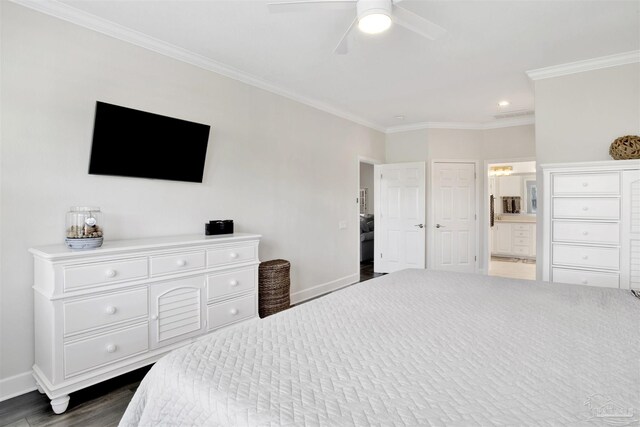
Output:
x,y
412,348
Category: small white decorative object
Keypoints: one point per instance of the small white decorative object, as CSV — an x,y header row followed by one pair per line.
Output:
x,y
84,228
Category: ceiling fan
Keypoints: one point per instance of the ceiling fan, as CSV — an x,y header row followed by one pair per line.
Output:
x,y
372,16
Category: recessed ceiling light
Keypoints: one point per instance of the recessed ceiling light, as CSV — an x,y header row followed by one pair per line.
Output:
x,y
503,104
374,23
399,117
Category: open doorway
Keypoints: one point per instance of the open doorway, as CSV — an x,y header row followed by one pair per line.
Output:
x,y
366,220
513,206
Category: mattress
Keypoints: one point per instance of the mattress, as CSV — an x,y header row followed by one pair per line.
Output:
x,y
412,348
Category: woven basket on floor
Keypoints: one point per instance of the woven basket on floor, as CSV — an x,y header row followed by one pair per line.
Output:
x,y
273,284
625,148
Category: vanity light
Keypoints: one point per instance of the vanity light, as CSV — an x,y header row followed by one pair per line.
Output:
x,y
374,23
500,170
503,104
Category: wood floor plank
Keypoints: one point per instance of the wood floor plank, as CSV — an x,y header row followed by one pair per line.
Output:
x,y
100,405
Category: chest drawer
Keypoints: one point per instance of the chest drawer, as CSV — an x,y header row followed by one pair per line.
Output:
x,y
586,232
104,310
232,282
175,263
231,255
90,353
587,183
586,256
589,278
104,272
520,227
586,208
231,311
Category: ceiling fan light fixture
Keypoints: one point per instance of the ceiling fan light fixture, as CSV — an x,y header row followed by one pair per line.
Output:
x,y
374,23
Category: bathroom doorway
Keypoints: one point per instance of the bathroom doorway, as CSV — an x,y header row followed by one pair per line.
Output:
x,y
513,206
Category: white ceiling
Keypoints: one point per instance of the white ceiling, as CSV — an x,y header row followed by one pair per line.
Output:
x,y
459,78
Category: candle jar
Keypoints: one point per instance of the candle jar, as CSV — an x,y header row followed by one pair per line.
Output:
x,y
84,228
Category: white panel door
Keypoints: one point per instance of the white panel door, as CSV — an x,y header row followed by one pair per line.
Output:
x,y
454,203
399,238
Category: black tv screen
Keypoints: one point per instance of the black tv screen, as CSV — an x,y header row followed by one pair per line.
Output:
x,y
128,142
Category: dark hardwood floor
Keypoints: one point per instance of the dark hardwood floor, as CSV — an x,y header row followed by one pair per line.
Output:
x,y
366,271
100,405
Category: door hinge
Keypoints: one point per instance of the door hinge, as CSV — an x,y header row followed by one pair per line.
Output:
x,y
475,258
357,201
380,255
475,216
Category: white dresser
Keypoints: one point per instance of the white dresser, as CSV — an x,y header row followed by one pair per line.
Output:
x,y
103,312
592,223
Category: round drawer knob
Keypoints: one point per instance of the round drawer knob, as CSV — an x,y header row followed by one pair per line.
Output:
x,y
111,348
585,208
585,256
110,273
154,317
233,282
233,255
585,233
585,281
585,184
181,263
110,309
233,311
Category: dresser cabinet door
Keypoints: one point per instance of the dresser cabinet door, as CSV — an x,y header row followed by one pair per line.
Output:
x,y
177,309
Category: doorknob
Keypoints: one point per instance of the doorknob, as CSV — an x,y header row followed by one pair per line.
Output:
x,y
439,226
419,225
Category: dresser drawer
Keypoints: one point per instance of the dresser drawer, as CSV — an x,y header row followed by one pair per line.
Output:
x,y
231,255
587,183
586,256
589,278
104,272
176,263
232,282
586,232
587,208
90,353
231,311
520,227
104,310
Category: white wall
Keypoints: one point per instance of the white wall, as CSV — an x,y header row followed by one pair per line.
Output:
x,y
366,181
277,167
579,115
516,142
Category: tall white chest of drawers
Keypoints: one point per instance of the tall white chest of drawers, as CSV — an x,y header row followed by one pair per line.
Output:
x,y
103,312
591,228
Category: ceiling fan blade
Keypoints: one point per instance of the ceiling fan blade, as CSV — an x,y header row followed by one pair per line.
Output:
x,y
416,23
343,46
302,5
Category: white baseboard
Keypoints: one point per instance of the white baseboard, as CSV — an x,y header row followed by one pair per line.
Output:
x,y
16,385
324,288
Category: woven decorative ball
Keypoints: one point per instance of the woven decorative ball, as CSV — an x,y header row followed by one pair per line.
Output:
x,y
625,148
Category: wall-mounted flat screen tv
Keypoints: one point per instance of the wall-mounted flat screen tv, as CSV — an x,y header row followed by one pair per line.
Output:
x,y
128,142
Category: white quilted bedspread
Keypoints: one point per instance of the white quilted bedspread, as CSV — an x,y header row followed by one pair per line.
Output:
x,y
412,348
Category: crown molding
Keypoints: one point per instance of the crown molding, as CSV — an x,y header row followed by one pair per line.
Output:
x,y
495,124
618,59
75,16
